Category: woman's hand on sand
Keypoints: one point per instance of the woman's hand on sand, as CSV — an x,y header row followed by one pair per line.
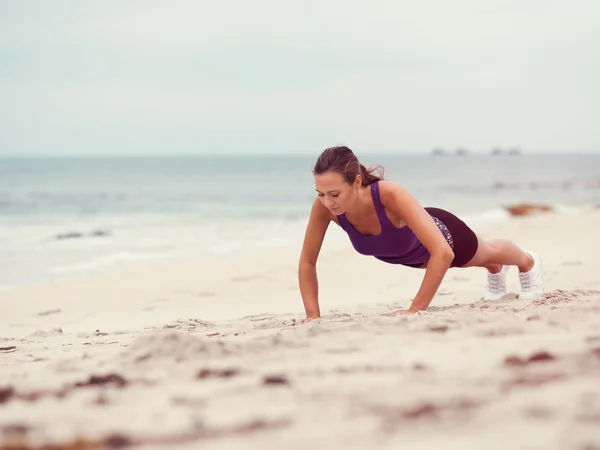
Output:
x,y
308,319
403,312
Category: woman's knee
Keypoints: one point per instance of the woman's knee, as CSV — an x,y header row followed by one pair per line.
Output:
x,y
485,255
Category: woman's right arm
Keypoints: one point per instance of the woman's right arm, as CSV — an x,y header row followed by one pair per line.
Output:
x,y
318,222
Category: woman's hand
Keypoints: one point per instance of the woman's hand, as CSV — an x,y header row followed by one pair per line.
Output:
x,y
308,319
403,312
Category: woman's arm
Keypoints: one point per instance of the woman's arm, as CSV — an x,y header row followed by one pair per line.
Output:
x,y
318,223
398,200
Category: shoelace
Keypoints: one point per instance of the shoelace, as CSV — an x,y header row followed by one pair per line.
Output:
x,y
494,281
525,281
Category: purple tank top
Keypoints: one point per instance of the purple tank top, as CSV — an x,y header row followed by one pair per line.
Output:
x,y
394,245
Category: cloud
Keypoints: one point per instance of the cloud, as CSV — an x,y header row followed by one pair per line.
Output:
x,y
268,76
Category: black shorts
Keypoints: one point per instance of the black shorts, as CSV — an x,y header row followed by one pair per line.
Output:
x,y
464,239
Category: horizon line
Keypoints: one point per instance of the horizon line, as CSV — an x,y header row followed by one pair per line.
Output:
x,y
446,153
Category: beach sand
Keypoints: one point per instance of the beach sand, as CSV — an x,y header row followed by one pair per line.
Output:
x,y
208,355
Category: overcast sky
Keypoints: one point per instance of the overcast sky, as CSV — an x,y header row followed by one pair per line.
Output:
x,y
275,76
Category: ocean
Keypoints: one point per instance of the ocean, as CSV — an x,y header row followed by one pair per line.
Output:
x,y
66,217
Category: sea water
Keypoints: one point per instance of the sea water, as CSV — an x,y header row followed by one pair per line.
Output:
x,y
63,217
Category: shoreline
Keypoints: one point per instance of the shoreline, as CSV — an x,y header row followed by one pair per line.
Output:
x,y
235,276
100,264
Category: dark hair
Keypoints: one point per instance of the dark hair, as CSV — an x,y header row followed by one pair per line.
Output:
x,y
343,161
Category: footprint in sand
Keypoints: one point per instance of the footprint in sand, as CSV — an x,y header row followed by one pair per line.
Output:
x,y
183,292
256,317
342,350
243,279
460,279
445,292
190,324
19,325
206,294
336,315
539,412
42,333
49,312
274,323
558,296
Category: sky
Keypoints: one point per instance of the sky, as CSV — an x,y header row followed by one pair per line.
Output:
x,y
278,77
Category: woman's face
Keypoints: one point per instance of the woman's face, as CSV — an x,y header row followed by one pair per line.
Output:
x,y
335,193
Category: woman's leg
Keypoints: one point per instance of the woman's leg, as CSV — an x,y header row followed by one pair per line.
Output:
x,y
495,253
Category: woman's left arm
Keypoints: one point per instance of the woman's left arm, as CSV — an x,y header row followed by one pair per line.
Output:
x,y
398,200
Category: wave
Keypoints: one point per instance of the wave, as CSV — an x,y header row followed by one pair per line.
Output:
x,y
132,247
562,185
107,261
498,215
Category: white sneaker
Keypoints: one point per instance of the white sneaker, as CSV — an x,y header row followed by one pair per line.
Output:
x,y
495,288
532,283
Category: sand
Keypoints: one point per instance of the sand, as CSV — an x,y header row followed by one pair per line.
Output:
x,y
209,355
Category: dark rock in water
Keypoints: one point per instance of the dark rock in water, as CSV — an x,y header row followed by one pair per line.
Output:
x,y
526,209
439,152
77,234
100,233
71,235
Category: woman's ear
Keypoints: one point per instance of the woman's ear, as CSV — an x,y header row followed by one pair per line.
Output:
x,y
358,181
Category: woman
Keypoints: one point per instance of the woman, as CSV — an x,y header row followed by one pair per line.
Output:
x,y
383,220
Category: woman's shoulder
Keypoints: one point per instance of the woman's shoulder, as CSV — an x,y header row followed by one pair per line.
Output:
x,y
392,194
388,190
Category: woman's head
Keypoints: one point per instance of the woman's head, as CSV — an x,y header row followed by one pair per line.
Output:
x,y
338,177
